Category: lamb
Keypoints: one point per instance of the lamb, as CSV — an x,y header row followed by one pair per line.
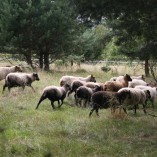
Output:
x,y
153,92
69,79
54,93
84,92
4,71
20,79
106,99
137,96
136,82
116,85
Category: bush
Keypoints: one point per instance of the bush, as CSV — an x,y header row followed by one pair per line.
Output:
x,y
105,68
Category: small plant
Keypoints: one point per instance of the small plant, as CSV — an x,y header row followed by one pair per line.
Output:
x,y
105,68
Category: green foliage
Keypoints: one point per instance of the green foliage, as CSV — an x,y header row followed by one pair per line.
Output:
x,y
39,26
92,41
131,22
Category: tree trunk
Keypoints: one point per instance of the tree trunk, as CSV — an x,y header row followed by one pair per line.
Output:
x,y
46,61
41,60
147,67
29,59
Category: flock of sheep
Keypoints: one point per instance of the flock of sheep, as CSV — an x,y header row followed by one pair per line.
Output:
x,y
118,92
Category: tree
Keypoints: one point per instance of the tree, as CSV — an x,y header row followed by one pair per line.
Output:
x,y
130,20
91,43
43,28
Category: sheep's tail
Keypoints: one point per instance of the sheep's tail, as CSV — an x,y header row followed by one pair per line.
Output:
x,y
43,97
6,84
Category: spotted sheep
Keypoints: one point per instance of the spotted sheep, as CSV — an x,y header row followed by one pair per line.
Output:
x,y
20,79
152,90
136,96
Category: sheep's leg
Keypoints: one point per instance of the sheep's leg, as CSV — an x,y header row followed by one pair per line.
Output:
x,y
61,104
32,88
9,89
152,102
135,106
23,87
91,111
85,103
80,102
76,100
97,112
144,108
52,104
58,103
4,88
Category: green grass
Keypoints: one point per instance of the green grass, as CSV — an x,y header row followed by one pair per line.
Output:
x,y
69,131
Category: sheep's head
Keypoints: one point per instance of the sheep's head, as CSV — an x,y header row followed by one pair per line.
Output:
x,y
18,68
127,77
35,76
92,78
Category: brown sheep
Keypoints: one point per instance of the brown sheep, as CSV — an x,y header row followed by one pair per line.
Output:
x,y
116,85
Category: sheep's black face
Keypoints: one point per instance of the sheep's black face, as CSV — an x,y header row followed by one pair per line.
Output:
x,y
18,68
128,78
36,76
92,79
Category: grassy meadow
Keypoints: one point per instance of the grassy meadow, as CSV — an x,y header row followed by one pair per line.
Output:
x,y
68,131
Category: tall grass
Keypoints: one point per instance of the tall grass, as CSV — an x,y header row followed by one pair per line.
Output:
x,y
68,131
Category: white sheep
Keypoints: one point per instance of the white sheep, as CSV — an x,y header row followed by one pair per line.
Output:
x,y
153,92
54,93
137,96
4,71
69,79
141,77
20,79
136,82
